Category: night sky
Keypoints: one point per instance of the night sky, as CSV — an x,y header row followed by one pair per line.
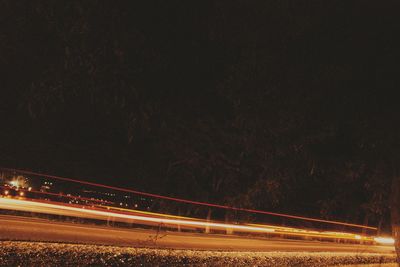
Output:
x,y
286,106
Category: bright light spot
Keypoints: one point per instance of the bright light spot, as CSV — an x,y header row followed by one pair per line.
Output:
x,y
357,237
6,192
384,240
21,194
14,183
29,188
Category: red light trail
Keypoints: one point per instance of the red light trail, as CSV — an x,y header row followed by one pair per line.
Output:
x,y
189,201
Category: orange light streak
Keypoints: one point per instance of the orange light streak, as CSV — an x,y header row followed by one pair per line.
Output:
x,y
106,214
191,201
60,209
53,208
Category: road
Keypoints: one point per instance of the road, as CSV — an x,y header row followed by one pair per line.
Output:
x,y
23,228
32,229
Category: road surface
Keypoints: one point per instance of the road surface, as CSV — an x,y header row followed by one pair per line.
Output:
x,y
32,229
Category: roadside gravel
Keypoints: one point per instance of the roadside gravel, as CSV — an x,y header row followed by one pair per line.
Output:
x,y
14,253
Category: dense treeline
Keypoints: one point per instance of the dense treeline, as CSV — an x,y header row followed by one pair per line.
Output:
x,y
276,105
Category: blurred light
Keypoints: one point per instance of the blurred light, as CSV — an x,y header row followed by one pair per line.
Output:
x,y
289,231
29,188
6,192
384,240
60,208
186,200
21,194
14,183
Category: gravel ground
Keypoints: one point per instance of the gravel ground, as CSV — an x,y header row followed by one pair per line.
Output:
x,y
13,253
370,265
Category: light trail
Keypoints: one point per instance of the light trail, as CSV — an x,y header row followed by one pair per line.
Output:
x,y
191,201
35,229
170,220
47,207
384,240
59,195
287,231
148,213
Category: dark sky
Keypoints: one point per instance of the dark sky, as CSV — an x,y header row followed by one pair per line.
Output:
x,y
263,103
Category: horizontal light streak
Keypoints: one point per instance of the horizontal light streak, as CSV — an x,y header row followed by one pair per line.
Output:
x,y
59,195
287,231
290,231
25,203
62,208
384,240
149,213
191,201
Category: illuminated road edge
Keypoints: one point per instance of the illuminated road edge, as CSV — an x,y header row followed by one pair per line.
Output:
x,y
150,218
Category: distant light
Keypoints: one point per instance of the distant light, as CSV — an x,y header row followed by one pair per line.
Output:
x,y
384,240
29,188
14,183
21,194
357,237
6,192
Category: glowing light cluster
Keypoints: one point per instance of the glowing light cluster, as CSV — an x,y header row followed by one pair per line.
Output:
x,y
15,183
384,240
